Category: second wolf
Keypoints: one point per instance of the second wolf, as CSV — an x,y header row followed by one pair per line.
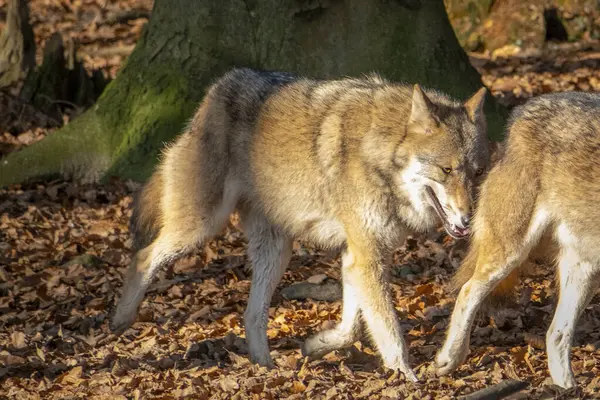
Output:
x,y
545,186
349,164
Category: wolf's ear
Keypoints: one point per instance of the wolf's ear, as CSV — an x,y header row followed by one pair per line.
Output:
x,y
474,105
422,107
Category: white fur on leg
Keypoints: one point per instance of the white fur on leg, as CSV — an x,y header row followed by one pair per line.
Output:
x,y
269,251
576,290
388,338
346,332
135,285
456,346
377,310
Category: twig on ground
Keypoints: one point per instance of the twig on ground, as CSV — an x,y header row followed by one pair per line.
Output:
x,y
497,391
49,120
121,17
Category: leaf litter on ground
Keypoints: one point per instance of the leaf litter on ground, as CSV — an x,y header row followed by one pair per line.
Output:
x,y
61,274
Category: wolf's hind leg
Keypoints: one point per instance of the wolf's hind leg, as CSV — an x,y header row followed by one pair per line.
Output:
x,y
577,279
347,331
269,251
137,278
185,226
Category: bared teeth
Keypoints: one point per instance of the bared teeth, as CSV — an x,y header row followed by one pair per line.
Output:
x,y
460,231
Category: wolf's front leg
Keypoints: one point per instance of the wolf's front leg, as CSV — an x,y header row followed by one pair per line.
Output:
x,y
347,331
456,346
365,273
269,251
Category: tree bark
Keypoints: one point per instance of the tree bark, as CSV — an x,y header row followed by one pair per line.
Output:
x,y
189,43
17,44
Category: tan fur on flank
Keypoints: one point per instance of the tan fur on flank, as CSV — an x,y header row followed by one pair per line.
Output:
x,y
349,164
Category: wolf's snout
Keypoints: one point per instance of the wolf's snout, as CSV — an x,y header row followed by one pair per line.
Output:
x,y
460,217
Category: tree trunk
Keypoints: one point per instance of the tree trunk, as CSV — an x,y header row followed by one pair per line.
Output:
x,y
189,43
17,44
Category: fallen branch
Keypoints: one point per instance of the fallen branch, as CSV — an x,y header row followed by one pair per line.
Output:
x,y
45,119
497,391
331,290
124,50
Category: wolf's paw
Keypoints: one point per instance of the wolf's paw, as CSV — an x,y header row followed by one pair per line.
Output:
x,y
264,360
445,363
120,322
410,376
328,340
319,344
312,350
562,377
407,371
398,361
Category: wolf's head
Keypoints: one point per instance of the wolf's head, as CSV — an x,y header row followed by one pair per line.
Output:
x,y
448,155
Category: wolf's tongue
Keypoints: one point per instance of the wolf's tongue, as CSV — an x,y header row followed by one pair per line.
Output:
x,y
461,231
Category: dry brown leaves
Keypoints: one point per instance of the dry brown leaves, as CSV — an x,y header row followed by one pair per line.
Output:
x,y
513,75
105,30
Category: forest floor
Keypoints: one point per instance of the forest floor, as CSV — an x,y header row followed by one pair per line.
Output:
x,y
64,247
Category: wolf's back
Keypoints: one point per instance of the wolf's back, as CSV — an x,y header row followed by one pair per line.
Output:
x,y
232,101
242,92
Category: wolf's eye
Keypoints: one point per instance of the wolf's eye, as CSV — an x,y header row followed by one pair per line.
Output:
x,y
479,171
447,170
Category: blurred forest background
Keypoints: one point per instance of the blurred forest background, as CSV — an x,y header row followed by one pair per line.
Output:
x,y
525,48
65,244
521,48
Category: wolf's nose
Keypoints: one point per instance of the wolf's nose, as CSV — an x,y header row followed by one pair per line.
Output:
x,y
465,221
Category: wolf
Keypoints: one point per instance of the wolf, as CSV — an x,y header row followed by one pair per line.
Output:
x,y
350,164
542,191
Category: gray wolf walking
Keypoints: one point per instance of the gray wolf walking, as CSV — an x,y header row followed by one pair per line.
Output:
x,y
350,164
545,186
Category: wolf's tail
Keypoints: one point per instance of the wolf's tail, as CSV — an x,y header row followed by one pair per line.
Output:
x,y
146,219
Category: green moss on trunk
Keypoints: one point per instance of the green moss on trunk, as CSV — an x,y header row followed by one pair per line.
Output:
x,y
69,152
188,44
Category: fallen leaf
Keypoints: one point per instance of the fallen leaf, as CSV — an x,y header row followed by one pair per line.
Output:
x,y
18,340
